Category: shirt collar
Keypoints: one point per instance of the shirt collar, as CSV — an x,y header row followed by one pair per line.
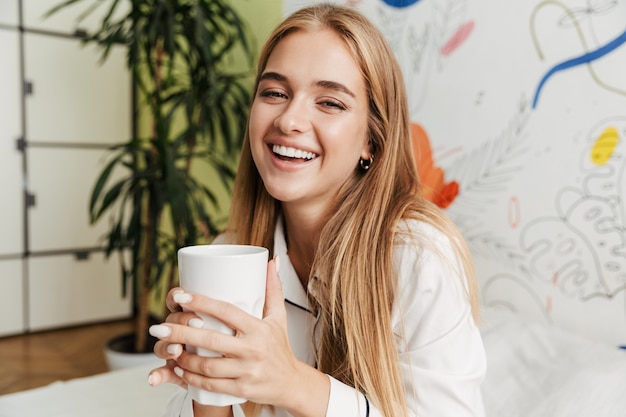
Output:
x,y
292,287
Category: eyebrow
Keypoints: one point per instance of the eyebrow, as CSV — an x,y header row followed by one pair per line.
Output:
x,y
331,85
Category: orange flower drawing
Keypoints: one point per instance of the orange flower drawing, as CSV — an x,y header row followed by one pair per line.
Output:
x,y
434,188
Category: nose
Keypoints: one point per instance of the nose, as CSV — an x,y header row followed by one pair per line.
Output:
x,y
294,118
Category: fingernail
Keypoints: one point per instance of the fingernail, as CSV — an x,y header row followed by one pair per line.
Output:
x,y
277,263
174,349
178,371
152,380
160,331
195,323
182,297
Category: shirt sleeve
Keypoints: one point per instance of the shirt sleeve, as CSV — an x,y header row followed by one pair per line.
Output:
x,y
345,401
441,355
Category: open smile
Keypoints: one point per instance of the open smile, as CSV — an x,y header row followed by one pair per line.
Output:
x,y
289,153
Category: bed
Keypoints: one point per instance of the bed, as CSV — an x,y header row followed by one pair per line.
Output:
x,y
535,370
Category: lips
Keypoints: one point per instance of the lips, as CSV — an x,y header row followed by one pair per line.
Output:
x,y
292,153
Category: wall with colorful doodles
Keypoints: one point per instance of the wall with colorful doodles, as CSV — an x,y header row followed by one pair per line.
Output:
x,y
519,108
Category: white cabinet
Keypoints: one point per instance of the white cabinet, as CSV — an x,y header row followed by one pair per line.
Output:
x,y
60,108
59,218
12,313
11,190
8,12
66,290
74,99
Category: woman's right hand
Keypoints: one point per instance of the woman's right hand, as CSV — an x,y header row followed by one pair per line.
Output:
x,y
172,351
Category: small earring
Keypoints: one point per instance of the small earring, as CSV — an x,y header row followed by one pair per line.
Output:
x,y
366,163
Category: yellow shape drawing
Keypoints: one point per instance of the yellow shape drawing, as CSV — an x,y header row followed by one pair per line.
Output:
x,y
604,146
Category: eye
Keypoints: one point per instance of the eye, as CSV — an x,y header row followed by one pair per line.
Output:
x,y
332,104
272,94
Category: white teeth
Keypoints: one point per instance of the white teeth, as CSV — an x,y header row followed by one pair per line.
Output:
x,y
292,152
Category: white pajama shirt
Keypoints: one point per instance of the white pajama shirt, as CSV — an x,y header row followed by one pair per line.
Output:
x,y
442,359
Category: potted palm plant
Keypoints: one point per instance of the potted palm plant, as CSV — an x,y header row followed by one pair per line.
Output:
x,y
180,55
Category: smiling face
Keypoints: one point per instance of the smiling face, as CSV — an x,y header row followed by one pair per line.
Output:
x,y
308,122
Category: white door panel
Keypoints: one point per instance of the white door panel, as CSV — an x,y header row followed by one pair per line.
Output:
x,y
8,13
11,189
74,99
61,181
11,307
66,291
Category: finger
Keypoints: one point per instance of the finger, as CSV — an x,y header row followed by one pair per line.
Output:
x,y
224,344
165,374
171,304
210,367
185,318
167,350
274,299
229,314
222,385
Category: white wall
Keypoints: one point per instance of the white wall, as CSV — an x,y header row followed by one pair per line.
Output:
x,y
541,167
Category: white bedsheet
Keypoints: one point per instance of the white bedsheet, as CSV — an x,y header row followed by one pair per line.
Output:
x,y
533,370
536,370
113,394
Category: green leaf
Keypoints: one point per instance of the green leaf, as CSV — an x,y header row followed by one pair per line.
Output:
x,y
100,183
58,7
109,198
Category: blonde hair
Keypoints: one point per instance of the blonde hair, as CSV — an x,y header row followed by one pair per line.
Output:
x,y
353,260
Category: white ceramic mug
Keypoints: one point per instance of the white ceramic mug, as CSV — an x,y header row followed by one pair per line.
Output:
x,y
232,273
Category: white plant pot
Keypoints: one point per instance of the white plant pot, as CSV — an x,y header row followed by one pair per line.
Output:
x,y
118,357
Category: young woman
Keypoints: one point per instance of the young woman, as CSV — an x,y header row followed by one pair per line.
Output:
x,y
374,311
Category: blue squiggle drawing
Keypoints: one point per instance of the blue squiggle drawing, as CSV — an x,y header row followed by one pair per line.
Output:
x,y
583,59
400,3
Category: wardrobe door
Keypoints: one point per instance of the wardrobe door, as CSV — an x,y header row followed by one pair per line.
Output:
x,y
68,290
9,13
74,98
11,175
75,108
61,180
12,320
12,307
